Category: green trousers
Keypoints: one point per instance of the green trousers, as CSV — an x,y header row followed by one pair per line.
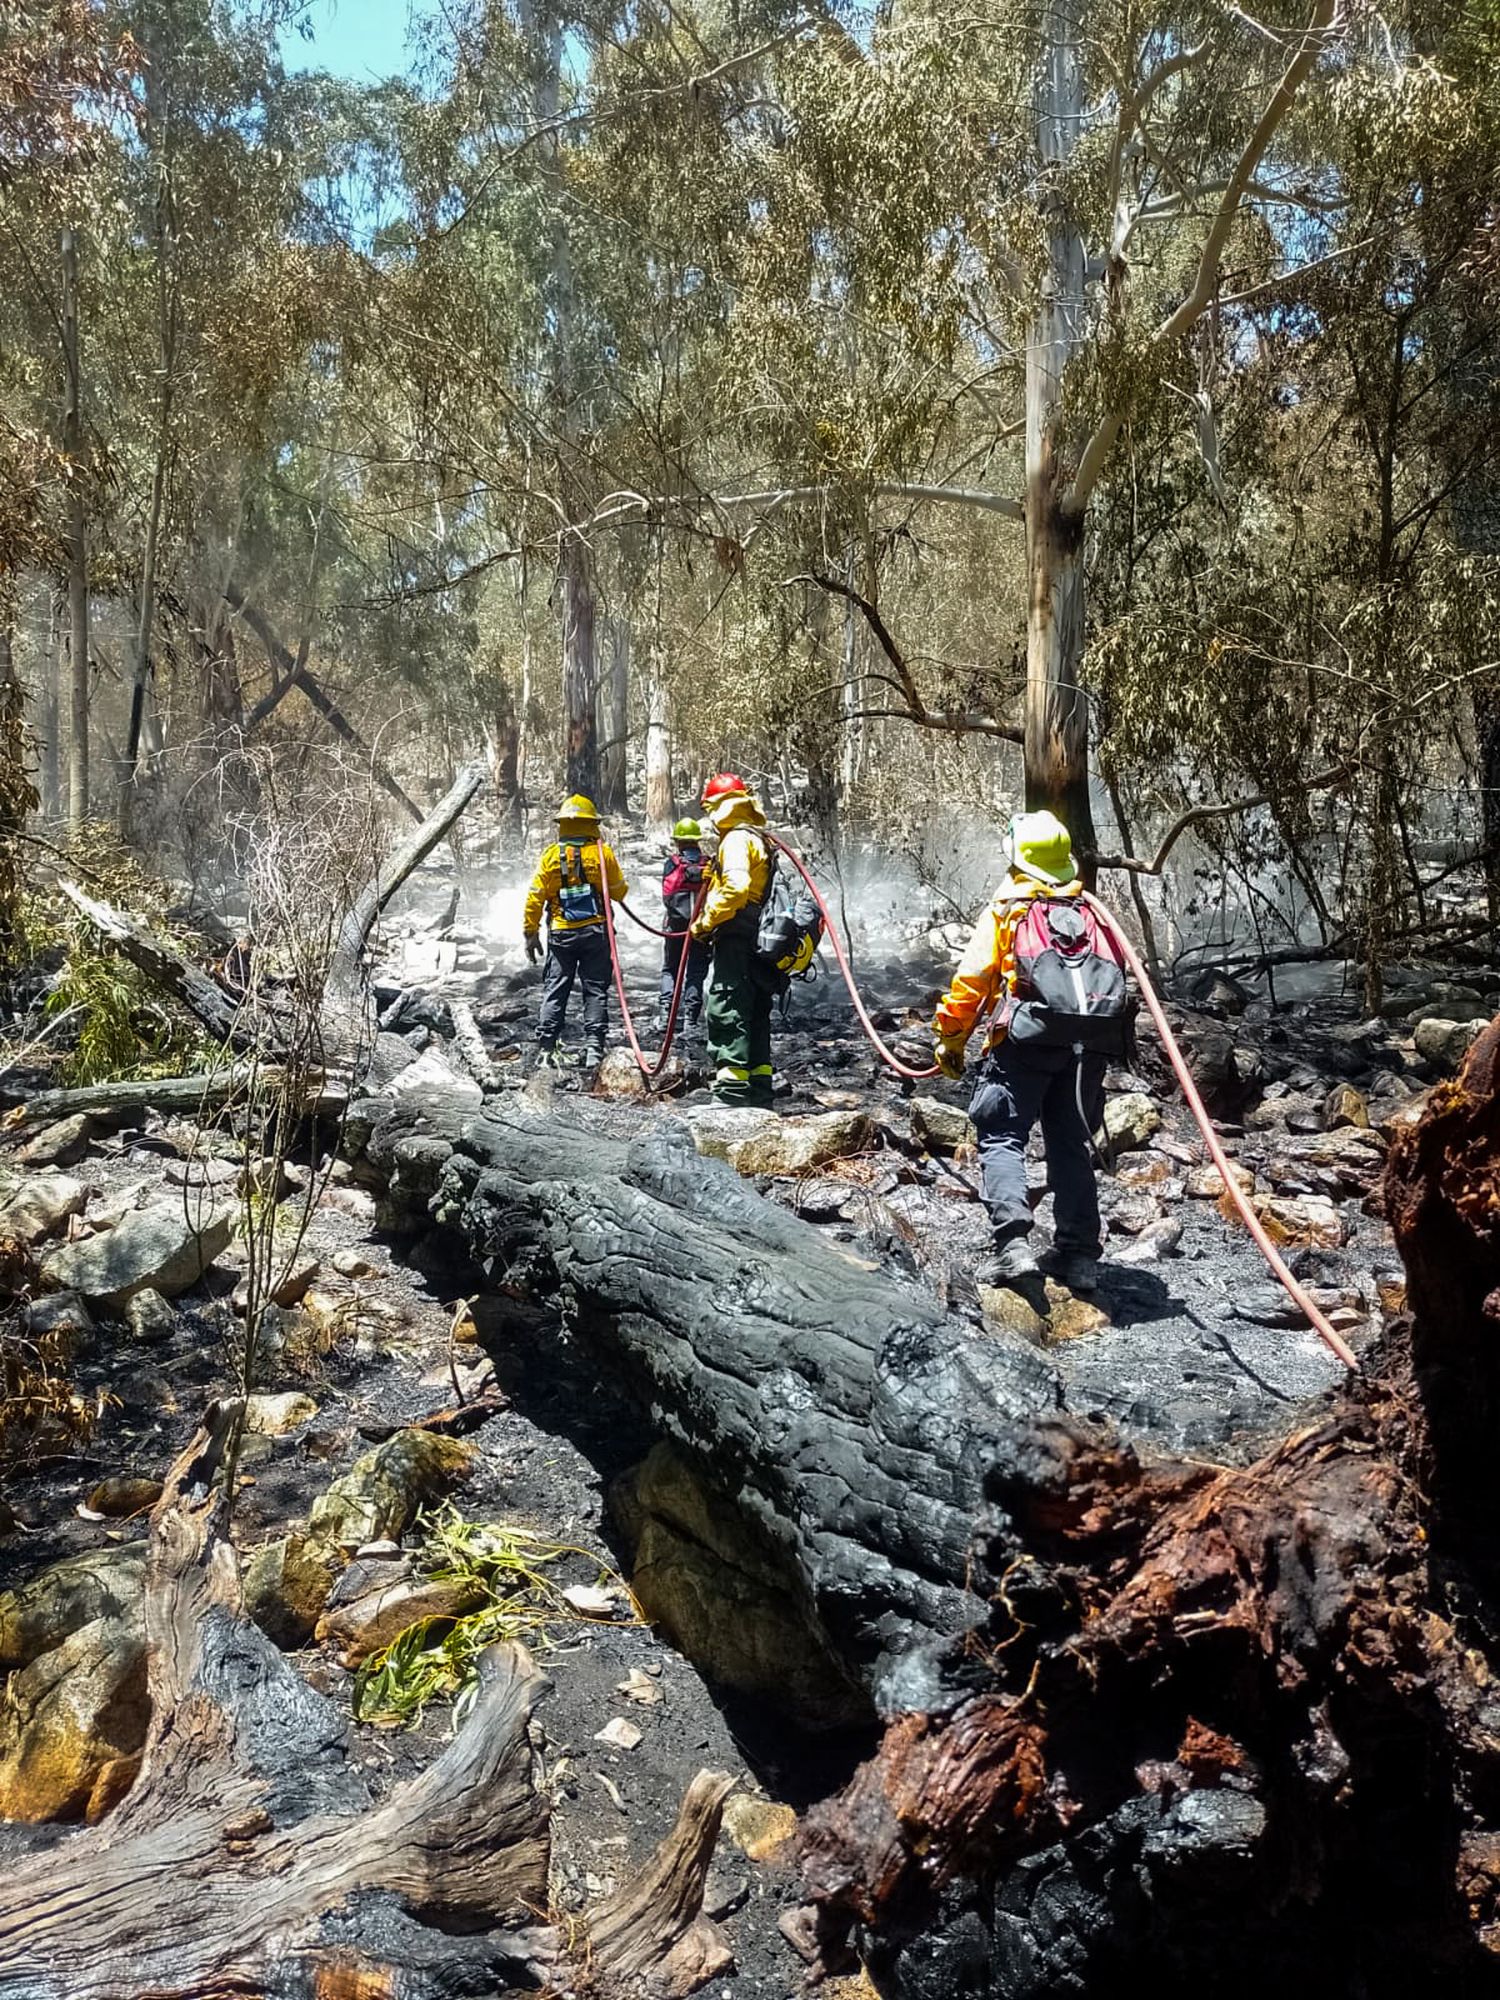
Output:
x,y
738,1021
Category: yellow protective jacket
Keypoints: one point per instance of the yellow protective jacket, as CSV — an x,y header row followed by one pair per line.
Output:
x,y
987,971
741,870
545,892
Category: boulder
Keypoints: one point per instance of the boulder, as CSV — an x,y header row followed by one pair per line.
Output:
x,y
762,1142
1013,1311
286,1586
619,1076
1207,1184
40,1205
121,1497
60,1144
1344,1105
1445,1042
158,1248
148,1315
274,1416
1299,1220
1130,1120
1159,1239
1348,1161
380,1495
61,1317
429,1083
371,1621
77,1712
39,1614
287,1290
942,1128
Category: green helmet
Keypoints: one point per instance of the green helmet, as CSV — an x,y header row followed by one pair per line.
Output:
x,y
687,829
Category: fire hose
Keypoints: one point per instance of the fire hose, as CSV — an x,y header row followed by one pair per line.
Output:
x,y
650,1071
1277,1264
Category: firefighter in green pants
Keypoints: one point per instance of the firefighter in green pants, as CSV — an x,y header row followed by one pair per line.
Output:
x,y
738,1013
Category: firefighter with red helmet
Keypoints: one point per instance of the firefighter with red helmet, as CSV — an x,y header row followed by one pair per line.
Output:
x,y
738,1013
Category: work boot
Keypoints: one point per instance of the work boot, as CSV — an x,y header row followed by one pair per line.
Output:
x,y
593,1056
1075,1270
547,1056
1008,1263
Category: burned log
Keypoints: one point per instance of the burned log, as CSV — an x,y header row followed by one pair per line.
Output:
x,y
248,1856
850,1419
1157,1721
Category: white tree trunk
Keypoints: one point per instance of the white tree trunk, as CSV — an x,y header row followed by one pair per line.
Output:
x,y
78,557
614,719
1057,737
660,811
580,667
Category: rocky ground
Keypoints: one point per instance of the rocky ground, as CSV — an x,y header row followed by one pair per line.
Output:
x,y
122,1252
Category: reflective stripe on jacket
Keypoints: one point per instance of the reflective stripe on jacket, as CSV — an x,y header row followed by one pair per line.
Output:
x,y
987,971
545,892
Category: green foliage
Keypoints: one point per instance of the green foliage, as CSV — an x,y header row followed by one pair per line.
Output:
x,y
437,1658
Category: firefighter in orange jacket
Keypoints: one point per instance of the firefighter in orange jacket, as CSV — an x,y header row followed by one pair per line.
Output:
x,y
572,878
1021,1084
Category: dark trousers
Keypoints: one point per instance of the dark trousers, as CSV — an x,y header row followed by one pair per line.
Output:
x,y
581,955
699,956
738,1018
1017,1086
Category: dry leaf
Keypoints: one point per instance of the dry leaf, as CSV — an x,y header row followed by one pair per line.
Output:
x,y
590,1600
619,1734
638,1686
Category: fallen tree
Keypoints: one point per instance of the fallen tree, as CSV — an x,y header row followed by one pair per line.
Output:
x,y
1158,1720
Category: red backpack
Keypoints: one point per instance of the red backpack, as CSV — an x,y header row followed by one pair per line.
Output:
x,y
1069,988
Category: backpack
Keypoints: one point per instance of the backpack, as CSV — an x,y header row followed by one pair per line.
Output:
x,y
681,880
1069,988
790,928
577,898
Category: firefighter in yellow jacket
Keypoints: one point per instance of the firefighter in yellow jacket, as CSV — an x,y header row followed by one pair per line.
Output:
x,y
571,880
738,1014
1021,1083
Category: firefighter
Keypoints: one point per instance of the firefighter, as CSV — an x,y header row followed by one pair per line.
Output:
x,y
570,883
681,881
1057,1082
738,1014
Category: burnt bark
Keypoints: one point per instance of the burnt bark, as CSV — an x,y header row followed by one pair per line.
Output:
x,y
248,1856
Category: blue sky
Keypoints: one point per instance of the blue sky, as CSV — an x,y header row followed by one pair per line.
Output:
x,y
363,40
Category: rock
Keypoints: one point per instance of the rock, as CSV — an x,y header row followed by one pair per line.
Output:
x,y
1445,1043
1130,1212
1130,1120
40,1205
62,1317
758,1827
1343,1162
156,1247
274,1416
122,1497
722,1595
1345,1106
1071,1318
761,1142
1402,1117
354,1264
619,1076
1206,1183
370,1623
619,1734
381,1494
1285,1110
285,1588
1449,1008
1159,1240
1296,1220
39,1614
148,1315
1005,1307
288,1290
1146,1170
59,1145
79,1709
203,1173
942,1128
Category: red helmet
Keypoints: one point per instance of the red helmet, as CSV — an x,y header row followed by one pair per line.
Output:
x,y
724,785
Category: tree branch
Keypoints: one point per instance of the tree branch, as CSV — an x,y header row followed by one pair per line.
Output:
x,y
1196,815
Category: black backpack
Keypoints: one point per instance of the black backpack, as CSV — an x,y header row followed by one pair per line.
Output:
x,y
790,928
1070,989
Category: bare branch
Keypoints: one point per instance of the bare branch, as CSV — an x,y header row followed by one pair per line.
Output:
x,y
1195,816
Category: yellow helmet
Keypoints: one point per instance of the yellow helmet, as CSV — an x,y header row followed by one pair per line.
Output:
x,y
1041,847
578,807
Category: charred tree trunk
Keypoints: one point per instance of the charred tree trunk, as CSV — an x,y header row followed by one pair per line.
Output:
x,y
580,668
505,765
1056,713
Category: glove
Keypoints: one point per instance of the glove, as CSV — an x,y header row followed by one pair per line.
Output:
x,y
533,947
700,931
949,1057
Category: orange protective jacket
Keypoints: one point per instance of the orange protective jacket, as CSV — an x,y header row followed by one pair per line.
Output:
x,y
987,971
